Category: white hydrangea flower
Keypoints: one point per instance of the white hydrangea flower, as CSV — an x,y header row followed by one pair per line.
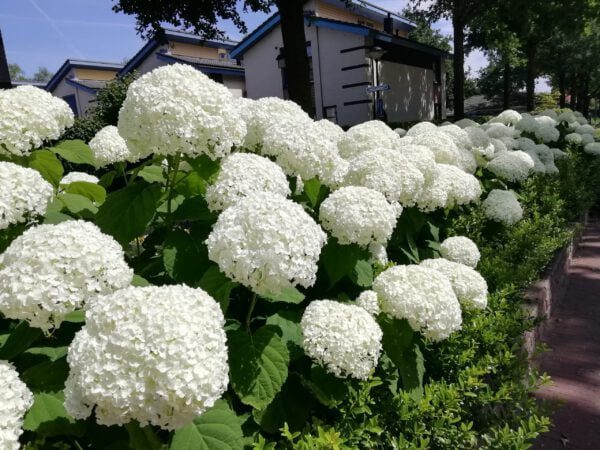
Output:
x,y
558,153
508,117
459,136
593,148
547,133
469,286
460,249
546,121
511,143
451,187
573,138
15,400
421,128
387,171
550,113
587,139
464,123
527,124
499,130
307,150
442,145
51,270
511,166
586,129
243,174
154,354
177,109
109,147
502,206
28,117
422,296
367,136
267,243
332,130
546,156
580,119
358,215
405,140
24,194
538,165
368,301
265,112
345,339
400,132
526,144
566,116
422,158
480,139
73,177
378,253
499,147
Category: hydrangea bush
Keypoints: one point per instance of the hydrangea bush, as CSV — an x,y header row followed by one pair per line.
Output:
x,y
228,273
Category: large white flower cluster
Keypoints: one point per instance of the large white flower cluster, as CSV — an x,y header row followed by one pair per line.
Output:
x,y
527,124
157,355
460,249
387,171
109,147
367,136
243,174
511,166
358,215
502,206
344,338
261,114
368,301
508,117
177,109
28,117
422,296
15,400
51,270
267,243
469,286
593,148
449,188
307,150
73,177
24,194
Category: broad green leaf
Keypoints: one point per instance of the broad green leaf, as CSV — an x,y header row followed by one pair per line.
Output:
x,y
94,192
49,375
288,322
287,295
152,174
216,429
142,438
127,212
434,231
52,353
74,151
195,208
75,316
77,204
48,416
190,184
340,260
315,192
185,257
326,387
107,179
46,163
20,339
217,285
140,281
363,273
204,166
258,365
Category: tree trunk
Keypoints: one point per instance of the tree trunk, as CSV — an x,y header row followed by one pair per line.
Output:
x,y
506,92
531,53
459,60
562,88
585,93
573,102
296,60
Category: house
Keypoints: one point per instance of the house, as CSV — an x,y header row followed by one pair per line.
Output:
x,y
77,82
363,64
208,56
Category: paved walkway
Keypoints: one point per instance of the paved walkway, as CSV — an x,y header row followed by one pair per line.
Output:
x,y
573,334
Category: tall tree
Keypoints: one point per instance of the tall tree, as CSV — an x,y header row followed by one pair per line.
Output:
x,y
16,73
201,17
42,75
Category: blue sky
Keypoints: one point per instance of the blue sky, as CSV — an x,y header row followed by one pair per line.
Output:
x,y
46,32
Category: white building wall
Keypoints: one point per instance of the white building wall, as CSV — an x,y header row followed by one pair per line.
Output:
x,y
85,100
263,76
411,96
235,85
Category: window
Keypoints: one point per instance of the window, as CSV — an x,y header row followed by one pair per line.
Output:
x,y
72,102
216,77
330,113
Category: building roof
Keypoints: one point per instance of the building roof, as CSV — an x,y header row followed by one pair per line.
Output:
x,y
263,29
206,65
90,86
39,84
175,36
78,63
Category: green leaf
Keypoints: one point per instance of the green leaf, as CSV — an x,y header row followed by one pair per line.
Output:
x,y
195,208
48,375
258,365
287,295
340,260
94,192
217,285
142,438
185,257
75,316
326,387
190,184
363,273
152,174
75,151
76,203
20,339
288,322
204,166
127,212
140,281
216,429
48,416
434,231
107,179
315,192
46,163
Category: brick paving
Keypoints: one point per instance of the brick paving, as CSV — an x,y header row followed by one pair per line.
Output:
x,y
573,335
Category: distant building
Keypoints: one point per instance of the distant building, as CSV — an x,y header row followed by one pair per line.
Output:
x,y
77,82
353,51
211,57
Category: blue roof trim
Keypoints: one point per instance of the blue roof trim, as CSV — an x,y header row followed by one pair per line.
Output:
x,y
71,63
202,68
255,36
189,38
74,83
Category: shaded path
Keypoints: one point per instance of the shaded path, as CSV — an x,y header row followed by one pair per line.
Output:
x,y
573,335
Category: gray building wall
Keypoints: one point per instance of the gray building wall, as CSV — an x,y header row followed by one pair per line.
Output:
x,y
85,100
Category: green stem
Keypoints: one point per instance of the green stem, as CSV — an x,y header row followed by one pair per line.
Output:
x,y
173,166
250,310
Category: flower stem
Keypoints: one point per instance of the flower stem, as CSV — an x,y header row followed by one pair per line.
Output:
x,y
250,310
